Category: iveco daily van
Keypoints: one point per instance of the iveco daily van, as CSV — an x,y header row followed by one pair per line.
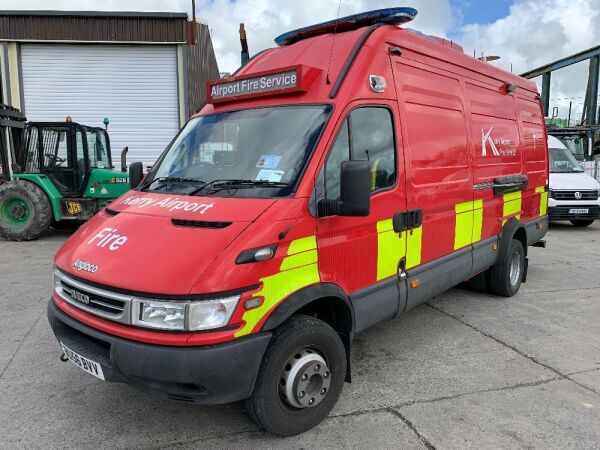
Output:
x,y
333,182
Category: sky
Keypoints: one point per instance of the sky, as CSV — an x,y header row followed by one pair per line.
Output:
x,y
525,33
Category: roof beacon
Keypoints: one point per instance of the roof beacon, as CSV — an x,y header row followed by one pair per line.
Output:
x,y
392,16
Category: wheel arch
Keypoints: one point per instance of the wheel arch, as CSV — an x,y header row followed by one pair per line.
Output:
x,y
325,301
44,183
513,229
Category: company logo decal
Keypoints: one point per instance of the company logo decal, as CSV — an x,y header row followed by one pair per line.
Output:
x,y
108,238
170,203
578,195
497,145
74,208
79,296
85,266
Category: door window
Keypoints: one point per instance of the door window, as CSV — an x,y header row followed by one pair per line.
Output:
x,y
366,134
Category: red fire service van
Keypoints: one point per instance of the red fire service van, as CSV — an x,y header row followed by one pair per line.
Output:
x,y
338,180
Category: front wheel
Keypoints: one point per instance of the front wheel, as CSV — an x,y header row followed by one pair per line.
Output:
x,y
301,377
506,276
25,211
582,222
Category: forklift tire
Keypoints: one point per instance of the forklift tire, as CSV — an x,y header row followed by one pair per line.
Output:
x,y
582,222
506,276
25,211
300,379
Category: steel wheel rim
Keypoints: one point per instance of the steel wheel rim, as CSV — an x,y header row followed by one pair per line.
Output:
x,y
515,269
15,212
305,379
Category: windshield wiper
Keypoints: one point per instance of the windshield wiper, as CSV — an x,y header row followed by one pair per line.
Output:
x,y
171,180
218,185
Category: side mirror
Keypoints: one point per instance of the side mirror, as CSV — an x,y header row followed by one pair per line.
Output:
x,y
136,174
355,192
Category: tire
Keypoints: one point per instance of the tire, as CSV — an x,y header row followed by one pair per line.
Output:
x,y
294,344
25,211
582,222
500,281
479,283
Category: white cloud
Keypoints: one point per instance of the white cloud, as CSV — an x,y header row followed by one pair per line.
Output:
x,y
537,32
264,19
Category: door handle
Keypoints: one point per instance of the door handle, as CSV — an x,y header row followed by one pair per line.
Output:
x,y
407,220
513,183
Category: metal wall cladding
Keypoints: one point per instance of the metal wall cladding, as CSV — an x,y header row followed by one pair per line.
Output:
x,y
126,27
202,67
135,86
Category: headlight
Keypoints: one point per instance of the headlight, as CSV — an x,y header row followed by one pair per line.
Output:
x,y
550,193
183,315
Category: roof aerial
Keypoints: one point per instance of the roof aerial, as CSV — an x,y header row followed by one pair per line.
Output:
x,y
393,16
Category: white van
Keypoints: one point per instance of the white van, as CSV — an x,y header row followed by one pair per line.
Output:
x,y
574,195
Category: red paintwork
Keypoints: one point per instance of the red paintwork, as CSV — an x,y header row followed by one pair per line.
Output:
x,y
441,100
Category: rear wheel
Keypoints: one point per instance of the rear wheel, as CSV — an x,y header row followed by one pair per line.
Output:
x,y
301,377
25,211
582,222
506,276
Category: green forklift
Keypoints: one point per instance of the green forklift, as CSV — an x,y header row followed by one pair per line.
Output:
x,y
53,174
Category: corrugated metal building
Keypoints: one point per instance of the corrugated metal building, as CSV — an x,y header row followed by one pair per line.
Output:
x,y
146,72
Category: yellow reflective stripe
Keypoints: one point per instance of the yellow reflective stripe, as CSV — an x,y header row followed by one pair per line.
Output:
x,y
543,199
275,288
385,225
302,245
391,247
298,270
512,204
468,224
477,221
299,259
413,255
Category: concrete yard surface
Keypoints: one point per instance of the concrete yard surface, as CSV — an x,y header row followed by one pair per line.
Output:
x,y
465,370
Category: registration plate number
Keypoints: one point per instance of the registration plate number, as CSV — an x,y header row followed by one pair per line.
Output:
x,y
579,211
91,367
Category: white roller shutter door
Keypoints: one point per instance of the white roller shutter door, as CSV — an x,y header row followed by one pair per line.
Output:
x,y
134,86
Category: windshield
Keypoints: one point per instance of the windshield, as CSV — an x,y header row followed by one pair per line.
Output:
x,y
562,161
254,152
97,148
575,144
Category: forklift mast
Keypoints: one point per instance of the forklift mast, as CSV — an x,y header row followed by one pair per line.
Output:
x,y
12,135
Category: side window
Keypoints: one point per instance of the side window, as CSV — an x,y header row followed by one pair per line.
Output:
x,y
55,148
367,134
32,164
339,153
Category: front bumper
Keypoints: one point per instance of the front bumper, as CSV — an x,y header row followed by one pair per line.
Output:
x,y
213,374
563,212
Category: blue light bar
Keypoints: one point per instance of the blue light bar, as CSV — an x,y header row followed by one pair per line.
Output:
x,y
393,16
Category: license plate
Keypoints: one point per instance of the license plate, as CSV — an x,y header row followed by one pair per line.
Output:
x,y
91,367
579,211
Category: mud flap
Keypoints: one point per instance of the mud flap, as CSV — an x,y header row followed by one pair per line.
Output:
x,y
525,269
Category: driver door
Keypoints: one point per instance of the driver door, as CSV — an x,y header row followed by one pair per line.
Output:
x,y
58,163
364,255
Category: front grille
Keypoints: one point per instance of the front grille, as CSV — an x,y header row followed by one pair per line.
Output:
x,y
106,304
572,195
563,212
97,301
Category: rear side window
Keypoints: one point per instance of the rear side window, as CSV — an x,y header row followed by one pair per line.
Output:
x,y
366,134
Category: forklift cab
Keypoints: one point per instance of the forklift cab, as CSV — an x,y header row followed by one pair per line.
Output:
x,y
65,153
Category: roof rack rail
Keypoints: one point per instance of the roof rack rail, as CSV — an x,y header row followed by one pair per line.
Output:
x,y
393,16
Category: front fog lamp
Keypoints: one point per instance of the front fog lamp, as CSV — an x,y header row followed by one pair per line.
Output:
x,y
184,316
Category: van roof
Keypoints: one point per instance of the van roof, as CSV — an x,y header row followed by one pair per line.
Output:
x,y
329,54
